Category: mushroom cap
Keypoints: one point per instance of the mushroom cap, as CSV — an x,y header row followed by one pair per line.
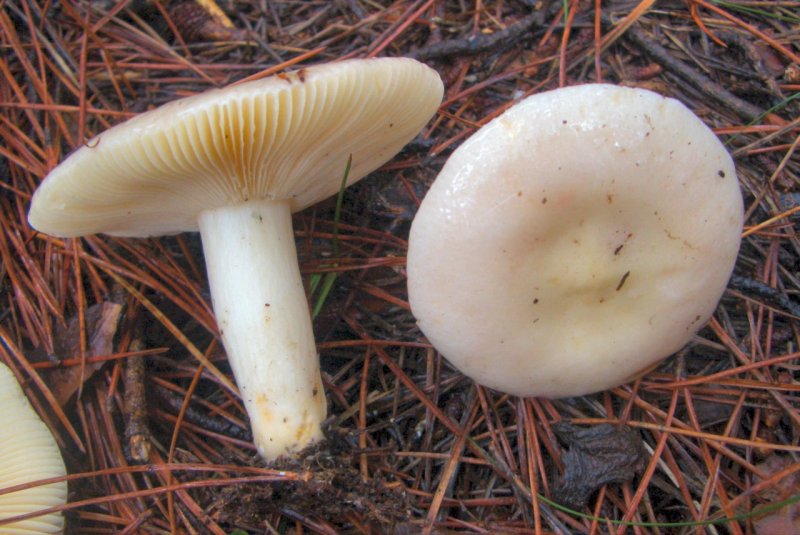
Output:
x,y
286,137
574,241
28,453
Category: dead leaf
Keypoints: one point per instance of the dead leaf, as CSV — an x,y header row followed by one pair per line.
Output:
x,y
784,521
101,326
596,456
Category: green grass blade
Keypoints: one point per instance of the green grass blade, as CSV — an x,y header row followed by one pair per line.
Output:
x,y
324,283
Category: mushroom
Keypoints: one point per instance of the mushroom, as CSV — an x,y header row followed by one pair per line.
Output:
x,y
574,241
234,164
28,453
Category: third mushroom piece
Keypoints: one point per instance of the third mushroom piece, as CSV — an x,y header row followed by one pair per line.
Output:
x,y
28,454
234,164
575,240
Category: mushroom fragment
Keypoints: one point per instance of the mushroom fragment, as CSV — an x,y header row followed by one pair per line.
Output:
x,y
28,453
574,241
234,164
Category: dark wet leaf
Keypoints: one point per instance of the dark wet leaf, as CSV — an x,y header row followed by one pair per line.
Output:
x,y
595,456
101,326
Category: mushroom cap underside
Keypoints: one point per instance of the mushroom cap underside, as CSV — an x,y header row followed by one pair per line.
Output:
x,y
574,241
28,453
286,137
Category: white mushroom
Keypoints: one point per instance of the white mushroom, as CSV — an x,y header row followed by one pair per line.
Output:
x,y
574,241
234,164
28,453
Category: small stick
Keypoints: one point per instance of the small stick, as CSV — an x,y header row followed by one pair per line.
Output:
x,y
705,85
199,418
136,431
480,43
766,292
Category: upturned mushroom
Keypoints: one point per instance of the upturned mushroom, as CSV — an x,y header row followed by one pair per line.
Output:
x,y
575,240
28,453
234,164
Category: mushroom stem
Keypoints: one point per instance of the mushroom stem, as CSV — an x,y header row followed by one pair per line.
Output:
x,y
264,322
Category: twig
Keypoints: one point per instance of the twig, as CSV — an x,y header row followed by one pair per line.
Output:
x,y
701,82
199,418
136,432
764,291
480,43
